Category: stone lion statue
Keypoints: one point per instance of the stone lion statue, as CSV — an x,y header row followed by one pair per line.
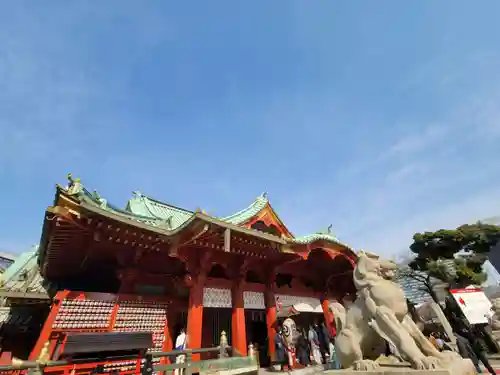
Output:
x,y
379,315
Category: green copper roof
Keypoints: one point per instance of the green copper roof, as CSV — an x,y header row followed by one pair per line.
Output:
x,y
172,216
148,207
162,215
316,237
323,235
19,264
175,216
23,275
247,213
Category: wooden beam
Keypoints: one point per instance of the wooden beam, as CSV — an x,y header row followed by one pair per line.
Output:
x,y
30,295
227,240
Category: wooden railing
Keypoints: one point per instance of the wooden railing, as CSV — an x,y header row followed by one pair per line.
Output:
x,y
144,364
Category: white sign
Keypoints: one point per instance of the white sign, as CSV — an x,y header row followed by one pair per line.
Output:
x,y
474,304
301,304
217,297
254,300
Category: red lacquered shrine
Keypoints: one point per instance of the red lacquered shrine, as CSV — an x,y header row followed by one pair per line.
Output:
x,y
156,267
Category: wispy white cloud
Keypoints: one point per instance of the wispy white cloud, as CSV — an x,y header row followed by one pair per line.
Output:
x,y
434,179
418,141
438,174
323,150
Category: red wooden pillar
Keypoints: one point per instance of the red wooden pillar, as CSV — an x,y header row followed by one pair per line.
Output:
x,y
271,319
195,316
328,315
239,338
47,326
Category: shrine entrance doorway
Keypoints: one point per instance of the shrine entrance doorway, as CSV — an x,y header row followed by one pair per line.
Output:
x,y
215,320
256,333
304,320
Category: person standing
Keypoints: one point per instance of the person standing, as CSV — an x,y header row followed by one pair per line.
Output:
x,y
479,351
465,350
280,350
315,345
324,340
303,350
180,344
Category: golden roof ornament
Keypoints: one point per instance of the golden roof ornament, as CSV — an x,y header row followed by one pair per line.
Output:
x,y
74,185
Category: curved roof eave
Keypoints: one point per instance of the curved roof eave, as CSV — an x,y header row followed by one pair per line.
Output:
x,y
259,204
94,203
315,237
127,219
146,206
247,213
147,223
24,261
34,283
160,217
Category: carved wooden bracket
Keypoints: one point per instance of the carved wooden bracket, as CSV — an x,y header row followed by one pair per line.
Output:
x,y
238,269
197,268
173,250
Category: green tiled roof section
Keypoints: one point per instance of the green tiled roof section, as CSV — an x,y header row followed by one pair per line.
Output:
x,y
13,280
247,213
310,238
159,214
316,237
86,196
156,211
19,264
147,207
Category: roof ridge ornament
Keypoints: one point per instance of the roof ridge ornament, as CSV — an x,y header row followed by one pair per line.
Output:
x,y
327,231
263,195
103,203
74,185
166,223
137,194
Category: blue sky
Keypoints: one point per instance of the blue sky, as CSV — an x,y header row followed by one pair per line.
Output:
x,y
379,117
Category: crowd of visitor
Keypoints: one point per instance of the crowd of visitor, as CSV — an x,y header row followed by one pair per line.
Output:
x,y
314,345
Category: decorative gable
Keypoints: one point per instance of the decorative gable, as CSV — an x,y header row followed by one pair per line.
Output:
x,y
268,221
260,216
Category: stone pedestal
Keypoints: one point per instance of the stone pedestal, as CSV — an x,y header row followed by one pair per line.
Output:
x,y
459,367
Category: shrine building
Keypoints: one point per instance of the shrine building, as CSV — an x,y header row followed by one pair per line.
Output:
x,y
156,267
